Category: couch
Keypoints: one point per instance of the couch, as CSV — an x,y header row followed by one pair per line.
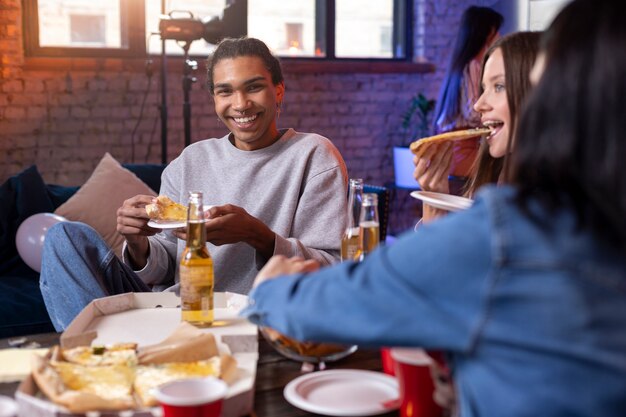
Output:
x,y
22,310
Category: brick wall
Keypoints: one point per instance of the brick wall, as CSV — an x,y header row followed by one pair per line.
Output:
x,y
64,119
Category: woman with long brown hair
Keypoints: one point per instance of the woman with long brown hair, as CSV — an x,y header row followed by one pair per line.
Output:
x,y
504,85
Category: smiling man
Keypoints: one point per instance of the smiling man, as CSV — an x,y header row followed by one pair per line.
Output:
x,y
272,191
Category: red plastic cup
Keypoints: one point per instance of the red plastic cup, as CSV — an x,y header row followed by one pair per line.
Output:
x,y
416,384
389,365
197,397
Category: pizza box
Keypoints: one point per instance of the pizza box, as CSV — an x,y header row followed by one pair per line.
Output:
x,y
148,318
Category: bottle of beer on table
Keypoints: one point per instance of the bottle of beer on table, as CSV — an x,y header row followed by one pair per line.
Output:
x,y
368,225
196,268
350,240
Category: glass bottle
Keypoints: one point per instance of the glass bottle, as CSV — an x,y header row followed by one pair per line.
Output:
x,y
368,225
350,240
196,268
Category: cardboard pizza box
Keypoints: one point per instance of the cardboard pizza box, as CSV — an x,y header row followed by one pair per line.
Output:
x,y
147,319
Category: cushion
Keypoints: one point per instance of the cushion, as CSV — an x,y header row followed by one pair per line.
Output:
x,y
21,196
59,194
97,201
148,173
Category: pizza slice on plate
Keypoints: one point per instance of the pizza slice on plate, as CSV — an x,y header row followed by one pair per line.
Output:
x,y
166,209
419,146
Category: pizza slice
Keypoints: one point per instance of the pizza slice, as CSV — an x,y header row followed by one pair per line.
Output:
x,y
82,388
118,354
304,349
166,209
149,377
419,146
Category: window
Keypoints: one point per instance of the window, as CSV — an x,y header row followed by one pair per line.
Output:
x,y
293,43
275,22
359,27
331,29
541,12
86,29
80,28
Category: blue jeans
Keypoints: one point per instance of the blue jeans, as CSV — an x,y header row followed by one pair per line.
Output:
x,y
77,267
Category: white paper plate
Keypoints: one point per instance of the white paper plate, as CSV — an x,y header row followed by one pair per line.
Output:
x,y
442,201
344,392
8,407
169,224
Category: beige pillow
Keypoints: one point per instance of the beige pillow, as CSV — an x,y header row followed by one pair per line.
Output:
x,y
97,201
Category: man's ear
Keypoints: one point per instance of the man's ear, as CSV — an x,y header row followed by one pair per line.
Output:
x,y
280,92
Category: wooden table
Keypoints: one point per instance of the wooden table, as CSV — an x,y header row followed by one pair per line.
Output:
x,y
274,371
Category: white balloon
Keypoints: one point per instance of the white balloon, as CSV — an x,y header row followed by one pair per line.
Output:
x,y
30,237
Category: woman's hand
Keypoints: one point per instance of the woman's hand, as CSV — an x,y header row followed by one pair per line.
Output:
x,y
432,168
281,265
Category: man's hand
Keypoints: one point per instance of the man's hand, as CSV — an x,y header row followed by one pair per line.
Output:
x,y
232,224
281,265
132,223
432,168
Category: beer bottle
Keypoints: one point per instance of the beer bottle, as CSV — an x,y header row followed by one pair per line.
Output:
x,y
350,239
368,225
196,268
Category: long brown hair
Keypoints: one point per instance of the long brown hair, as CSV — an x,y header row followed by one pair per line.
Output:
x,y
571,134
519,51
477,25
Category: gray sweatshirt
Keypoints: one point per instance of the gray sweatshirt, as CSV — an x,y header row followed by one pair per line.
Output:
x,y
297,187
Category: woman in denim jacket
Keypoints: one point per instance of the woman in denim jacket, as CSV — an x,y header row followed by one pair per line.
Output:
x,y
526,290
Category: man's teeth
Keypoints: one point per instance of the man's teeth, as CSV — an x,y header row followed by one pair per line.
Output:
x,y
245,119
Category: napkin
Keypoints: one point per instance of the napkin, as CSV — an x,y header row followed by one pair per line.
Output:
x,y
15,364
186,344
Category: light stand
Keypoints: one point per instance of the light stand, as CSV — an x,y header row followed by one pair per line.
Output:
x,y
163,96
189,65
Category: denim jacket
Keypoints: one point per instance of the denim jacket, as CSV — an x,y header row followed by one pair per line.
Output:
x,y
530,309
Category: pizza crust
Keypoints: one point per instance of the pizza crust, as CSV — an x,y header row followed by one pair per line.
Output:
x,y
419,146
119,354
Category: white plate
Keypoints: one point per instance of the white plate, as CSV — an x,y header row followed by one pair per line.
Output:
x,y
344,392
443,201
170,224
8,407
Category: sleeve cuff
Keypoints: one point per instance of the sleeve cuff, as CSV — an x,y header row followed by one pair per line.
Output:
x,y
126,257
